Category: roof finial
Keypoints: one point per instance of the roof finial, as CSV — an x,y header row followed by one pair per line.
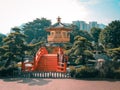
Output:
x,y
58,19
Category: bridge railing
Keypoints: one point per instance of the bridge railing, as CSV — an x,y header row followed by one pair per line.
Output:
x,y
38,74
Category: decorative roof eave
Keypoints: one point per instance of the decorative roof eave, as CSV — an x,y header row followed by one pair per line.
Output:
x,y
58,28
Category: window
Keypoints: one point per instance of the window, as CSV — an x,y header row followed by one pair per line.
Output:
x,y
52,33
58,34
64,34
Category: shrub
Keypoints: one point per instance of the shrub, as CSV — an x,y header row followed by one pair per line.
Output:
x,y
92,72
117,74
3,71
86,72
72,71
110,73
81,72
107,71
7,72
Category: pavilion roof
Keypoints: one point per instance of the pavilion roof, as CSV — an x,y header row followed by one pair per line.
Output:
x,y
58,25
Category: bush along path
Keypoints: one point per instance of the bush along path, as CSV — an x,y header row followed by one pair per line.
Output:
x,y
85,72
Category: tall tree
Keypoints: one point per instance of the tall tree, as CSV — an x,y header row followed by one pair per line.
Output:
x,y
35,30
110,36
95,32
14,47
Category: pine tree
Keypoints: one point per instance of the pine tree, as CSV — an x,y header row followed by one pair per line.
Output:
x,y
14,47
81,50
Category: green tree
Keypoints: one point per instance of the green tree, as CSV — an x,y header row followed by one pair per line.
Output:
x,y
114,53
110,36
14,47
33,48
81,50
81,33
35,30
95,32
2,36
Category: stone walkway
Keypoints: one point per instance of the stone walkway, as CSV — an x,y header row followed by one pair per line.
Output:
x,y
58,84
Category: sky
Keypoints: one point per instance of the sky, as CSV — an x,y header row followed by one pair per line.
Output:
x,y
17,12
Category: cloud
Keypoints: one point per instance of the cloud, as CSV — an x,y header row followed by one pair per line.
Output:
x,y
16,12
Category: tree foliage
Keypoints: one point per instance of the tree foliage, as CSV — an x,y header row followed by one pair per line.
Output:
x,y
81,50
95,32
2,36
35,30
114,53
14,47
81,33
110,36
33,48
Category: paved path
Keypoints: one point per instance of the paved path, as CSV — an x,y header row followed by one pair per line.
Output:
x,y
57,84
